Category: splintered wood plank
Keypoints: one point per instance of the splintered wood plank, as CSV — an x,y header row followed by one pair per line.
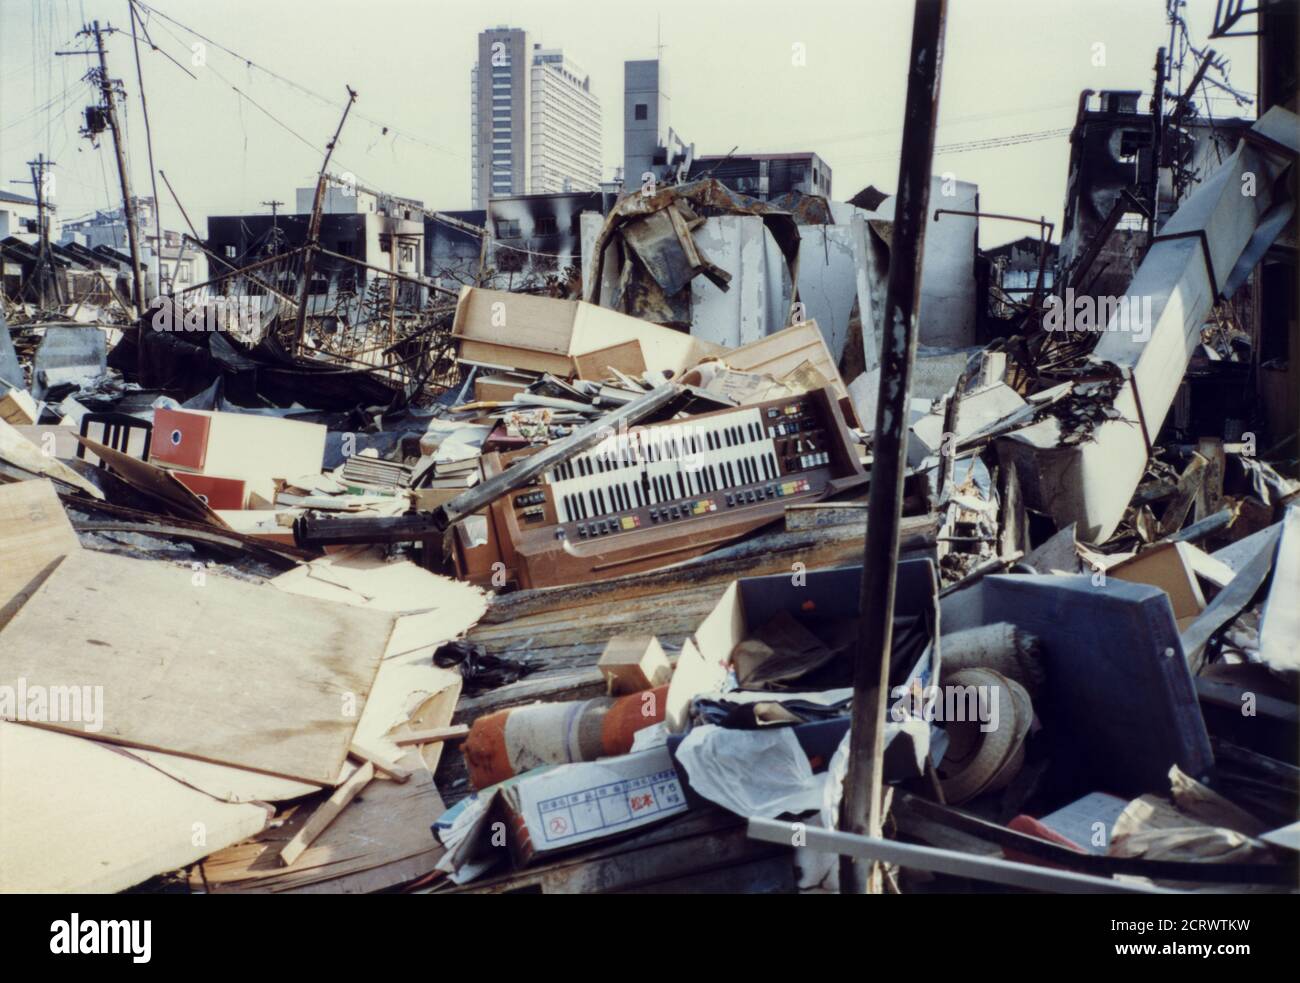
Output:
x,y
156,483
433,735
326,813
202,666
17,450
380,840
381,762
35,535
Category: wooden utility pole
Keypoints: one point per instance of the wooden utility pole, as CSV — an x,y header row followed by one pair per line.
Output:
x,y
153,173
860,810
45,278
393,246
274,205
313,226
107,89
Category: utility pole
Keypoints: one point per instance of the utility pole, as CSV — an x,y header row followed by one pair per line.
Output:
x,y
860,809
1156,158
274,205
313,226
108,88
45,278
153,175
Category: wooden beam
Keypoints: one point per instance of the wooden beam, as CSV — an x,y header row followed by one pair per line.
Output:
x,y
432,736
382,763
1189,486
326,813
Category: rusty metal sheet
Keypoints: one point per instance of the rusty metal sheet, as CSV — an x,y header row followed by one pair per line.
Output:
x,y
694,202
655,242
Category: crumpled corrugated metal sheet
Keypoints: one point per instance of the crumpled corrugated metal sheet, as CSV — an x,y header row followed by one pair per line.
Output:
x,y
806,209
659,254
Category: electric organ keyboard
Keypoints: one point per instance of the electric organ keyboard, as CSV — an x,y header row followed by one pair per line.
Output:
x,y
660,493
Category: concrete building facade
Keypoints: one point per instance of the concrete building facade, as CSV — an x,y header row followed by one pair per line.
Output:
x,y
18,214
650,145
767,176
645,118
534,120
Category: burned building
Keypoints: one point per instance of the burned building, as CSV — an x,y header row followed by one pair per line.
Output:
x,y
765,176
531,239
381,241
451,247
1014,269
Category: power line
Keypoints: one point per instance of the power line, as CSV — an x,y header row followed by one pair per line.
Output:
x,y
385,127
970,146
315,148
943,125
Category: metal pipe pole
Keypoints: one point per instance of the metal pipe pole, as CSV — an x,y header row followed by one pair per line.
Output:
x,y
860,810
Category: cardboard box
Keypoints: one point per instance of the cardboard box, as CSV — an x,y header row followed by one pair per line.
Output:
x,y
558,808
751,601
18,407
1170,567
236,445
632,663
505,330
428,499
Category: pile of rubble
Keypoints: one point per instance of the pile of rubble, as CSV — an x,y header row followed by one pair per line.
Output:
x,y
586,616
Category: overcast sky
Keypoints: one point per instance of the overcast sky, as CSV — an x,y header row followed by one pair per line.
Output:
x,y
1011,67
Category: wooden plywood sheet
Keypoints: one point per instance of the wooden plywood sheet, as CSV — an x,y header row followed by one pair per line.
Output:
x,y
209,668
80,816
1167,566
222,781
540,324
17,450
35,535
626,357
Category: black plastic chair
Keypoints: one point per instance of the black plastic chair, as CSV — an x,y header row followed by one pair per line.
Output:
x,y
117,432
